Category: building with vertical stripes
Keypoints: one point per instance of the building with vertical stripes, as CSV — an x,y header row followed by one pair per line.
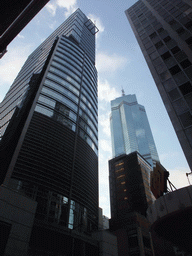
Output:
x,y
49,141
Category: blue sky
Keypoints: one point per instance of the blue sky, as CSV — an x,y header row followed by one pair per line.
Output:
x,y
120,64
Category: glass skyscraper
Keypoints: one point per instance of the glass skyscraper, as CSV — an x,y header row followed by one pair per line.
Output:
x,y
130,130
49,138
163,29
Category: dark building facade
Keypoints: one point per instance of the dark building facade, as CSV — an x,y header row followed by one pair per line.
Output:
x,y
49,139
130,196
163,29
15,15
129,178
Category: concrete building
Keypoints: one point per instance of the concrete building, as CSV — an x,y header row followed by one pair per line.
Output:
x,y
48,144
164,32
170,218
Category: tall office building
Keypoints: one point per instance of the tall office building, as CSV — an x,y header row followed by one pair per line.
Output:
x,y
134,156
163,29
49,139
130,130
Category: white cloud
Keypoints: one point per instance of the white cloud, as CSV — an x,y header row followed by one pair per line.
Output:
x,y
12,62
178,177
51,8
109,63
52,25
66,3
103,168
10,65
105,124
106,92
168,155
20,36
105,145
69,5
98,23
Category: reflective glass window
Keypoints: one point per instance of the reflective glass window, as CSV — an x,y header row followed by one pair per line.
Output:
x,y
61,85
56,116
88,140
66,70
64,76
65,60
65,53
52,102
57,95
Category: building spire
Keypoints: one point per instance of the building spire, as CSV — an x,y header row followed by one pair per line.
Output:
x,y
123,92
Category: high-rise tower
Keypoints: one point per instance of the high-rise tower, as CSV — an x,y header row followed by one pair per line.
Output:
x,y
130,130
49,137
164,32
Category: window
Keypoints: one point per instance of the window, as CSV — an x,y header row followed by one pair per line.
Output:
x,y
160,68
180,56
158,45
180,31
186,119
171,44
165,76
174,94
180,78
185,88
172,22
153,35
119,164
188,71
180,106
166,55
189,40
154,55
189,25
167,39
121,176
185,63
174,70
150,50
157,62
160,30
170,62
148,45
169,85
175,49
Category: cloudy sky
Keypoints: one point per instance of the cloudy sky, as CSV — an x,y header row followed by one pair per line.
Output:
x,y
120,64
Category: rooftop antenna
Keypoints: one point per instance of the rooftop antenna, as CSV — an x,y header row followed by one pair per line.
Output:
x,y
123,92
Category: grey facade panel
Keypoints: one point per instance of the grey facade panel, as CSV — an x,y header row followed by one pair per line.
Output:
x,y
164,30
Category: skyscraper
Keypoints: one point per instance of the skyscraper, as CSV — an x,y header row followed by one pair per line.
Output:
x,y
164,32
134,156
130,130
49,138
